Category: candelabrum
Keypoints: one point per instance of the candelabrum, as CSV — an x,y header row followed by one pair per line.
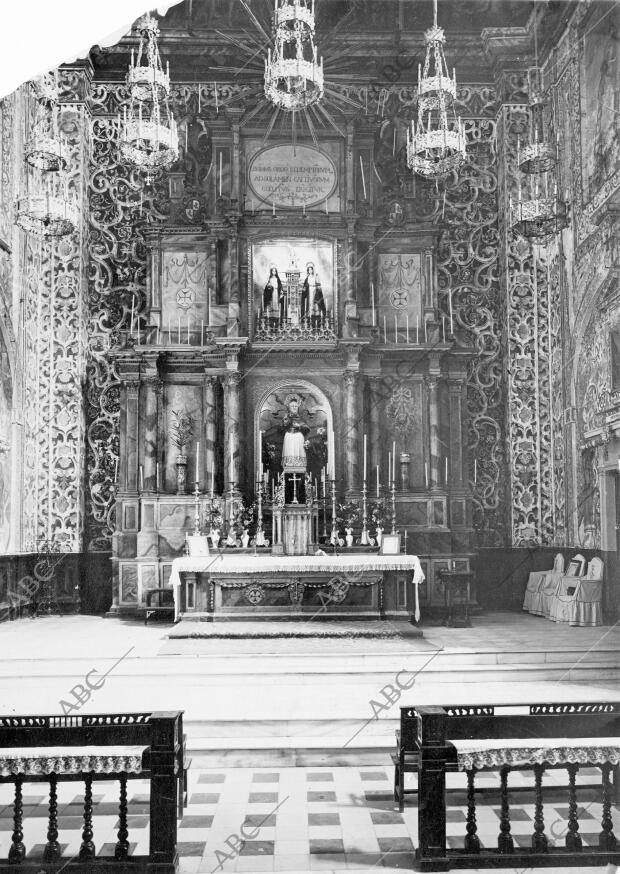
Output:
x,y
260,534
393,506
364,538
196,510
334,537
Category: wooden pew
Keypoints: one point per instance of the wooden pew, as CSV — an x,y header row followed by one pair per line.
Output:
x,y
439,732
89,748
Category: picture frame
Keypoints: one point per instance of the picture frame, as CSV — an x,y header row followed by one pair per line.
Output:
x,y
390,544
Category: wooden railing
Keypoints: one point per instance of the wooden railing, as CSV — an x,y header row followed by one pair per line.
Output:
x,y
91,748
442,738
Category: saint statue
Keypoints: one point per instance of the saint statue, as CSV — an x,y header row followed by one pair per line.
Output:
x,y
274,289
295,431
312,293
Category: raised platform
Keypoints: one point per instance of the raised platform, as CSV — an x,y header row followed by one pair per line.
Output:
x,y
274,627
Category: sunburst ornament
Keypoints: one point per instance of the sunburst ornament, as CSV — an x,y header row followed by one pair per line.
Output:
x,y
435,146
293,73
149,138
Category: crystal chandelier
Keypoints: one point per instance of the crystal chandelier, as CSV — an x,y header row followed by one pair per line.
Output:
x,y
293,75
149,138
435,147
538,214
47,207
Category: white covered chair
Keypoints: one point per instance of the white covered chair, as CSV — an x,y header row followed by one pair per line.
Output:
x,y
532,602
550,584
577,600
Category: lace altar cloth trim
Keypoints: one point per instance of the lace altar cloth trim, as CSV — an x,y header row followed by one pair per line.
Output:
x,y
243,564
554,751
35,761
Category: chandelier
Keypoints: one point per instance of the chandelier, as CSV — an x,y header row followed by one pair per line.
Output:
x,y
540,214
435,147
293,75
148,132
47,207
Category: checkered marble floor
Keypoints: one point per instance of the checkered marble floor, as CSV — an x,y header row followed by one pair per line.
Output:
x,y
298,819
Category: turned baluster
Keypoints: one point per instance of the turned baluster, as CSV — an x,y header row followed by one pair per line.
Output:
x,y
17,850
607,839
87,848
122,845
539,838
51,853
472,841
573,838
505,843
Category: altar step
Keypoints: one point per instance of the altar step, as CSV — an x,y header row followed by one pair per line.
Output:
x,y
309,625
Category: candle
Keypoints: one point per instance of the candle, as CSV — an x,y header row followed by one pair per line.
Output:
x,y
141,478
417,329
443,321
365,451
384,330
393,462
425,333
157,476
220,173
451,317
475,470
446,469
323,482
202,332
377,481
407,327
138,329
426,473
212,477
363,177
260,453
197,462
131,324
372,303
389,466
396,329
116,471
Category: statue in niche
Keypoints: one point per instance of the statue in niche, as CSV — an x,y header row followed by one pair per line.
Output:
x,y
274,291
295,430
312,291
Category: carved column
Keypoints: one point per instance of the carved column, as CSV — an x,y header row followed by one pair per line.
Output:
x,y
129,457
375,431
232,422
209,408
351,440
433,418
457,400
151,436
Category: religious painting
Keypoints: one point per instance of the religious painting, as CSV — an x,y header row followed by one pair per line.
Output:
x,y
293,280
400,290
601,62
184,293
295,434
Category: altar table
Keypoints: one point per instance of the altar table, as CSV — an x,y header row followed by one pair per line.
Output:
x,y
292,577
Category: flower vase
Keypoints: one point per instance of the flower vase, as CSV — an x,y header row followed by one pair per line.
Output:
x,y
214,534
349,536
379,535
245,538
181,474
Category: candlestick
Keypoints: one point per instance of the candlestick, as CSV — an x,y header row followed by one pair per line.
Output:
x,y
196,510
364,538
377,482
393,507
260,537
365,452
334,535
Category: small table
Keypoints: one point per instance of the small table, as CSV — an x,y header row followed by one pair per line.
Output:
x,y
457,597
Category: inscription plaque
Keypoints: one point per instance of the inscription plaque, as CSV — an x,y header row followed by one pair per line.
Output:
x,y
285,176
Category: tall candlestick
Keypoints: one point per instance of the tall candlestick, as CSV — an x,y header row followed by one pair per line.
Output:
x,y
365,452
377,482
197,462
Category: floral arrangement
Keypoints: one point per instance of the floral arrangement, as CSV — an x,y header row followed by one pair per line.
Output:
x,y
379,515
244,516
348,515
181,429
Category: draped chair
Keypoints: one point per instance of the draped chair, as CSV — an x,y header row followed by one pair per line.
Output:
x,y
532,601
549,587
577,600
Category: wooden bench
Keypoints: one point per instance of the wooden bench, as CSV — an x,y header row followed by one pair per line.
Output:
x,y
501,732
90,748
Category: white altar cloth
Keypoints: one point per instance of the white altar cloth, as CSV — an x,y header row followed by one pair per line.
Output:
x,y
491,753
222,563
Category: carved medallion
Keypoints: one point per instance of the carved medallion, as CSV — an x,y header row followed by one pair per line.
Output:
x,y
254,594
399,408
